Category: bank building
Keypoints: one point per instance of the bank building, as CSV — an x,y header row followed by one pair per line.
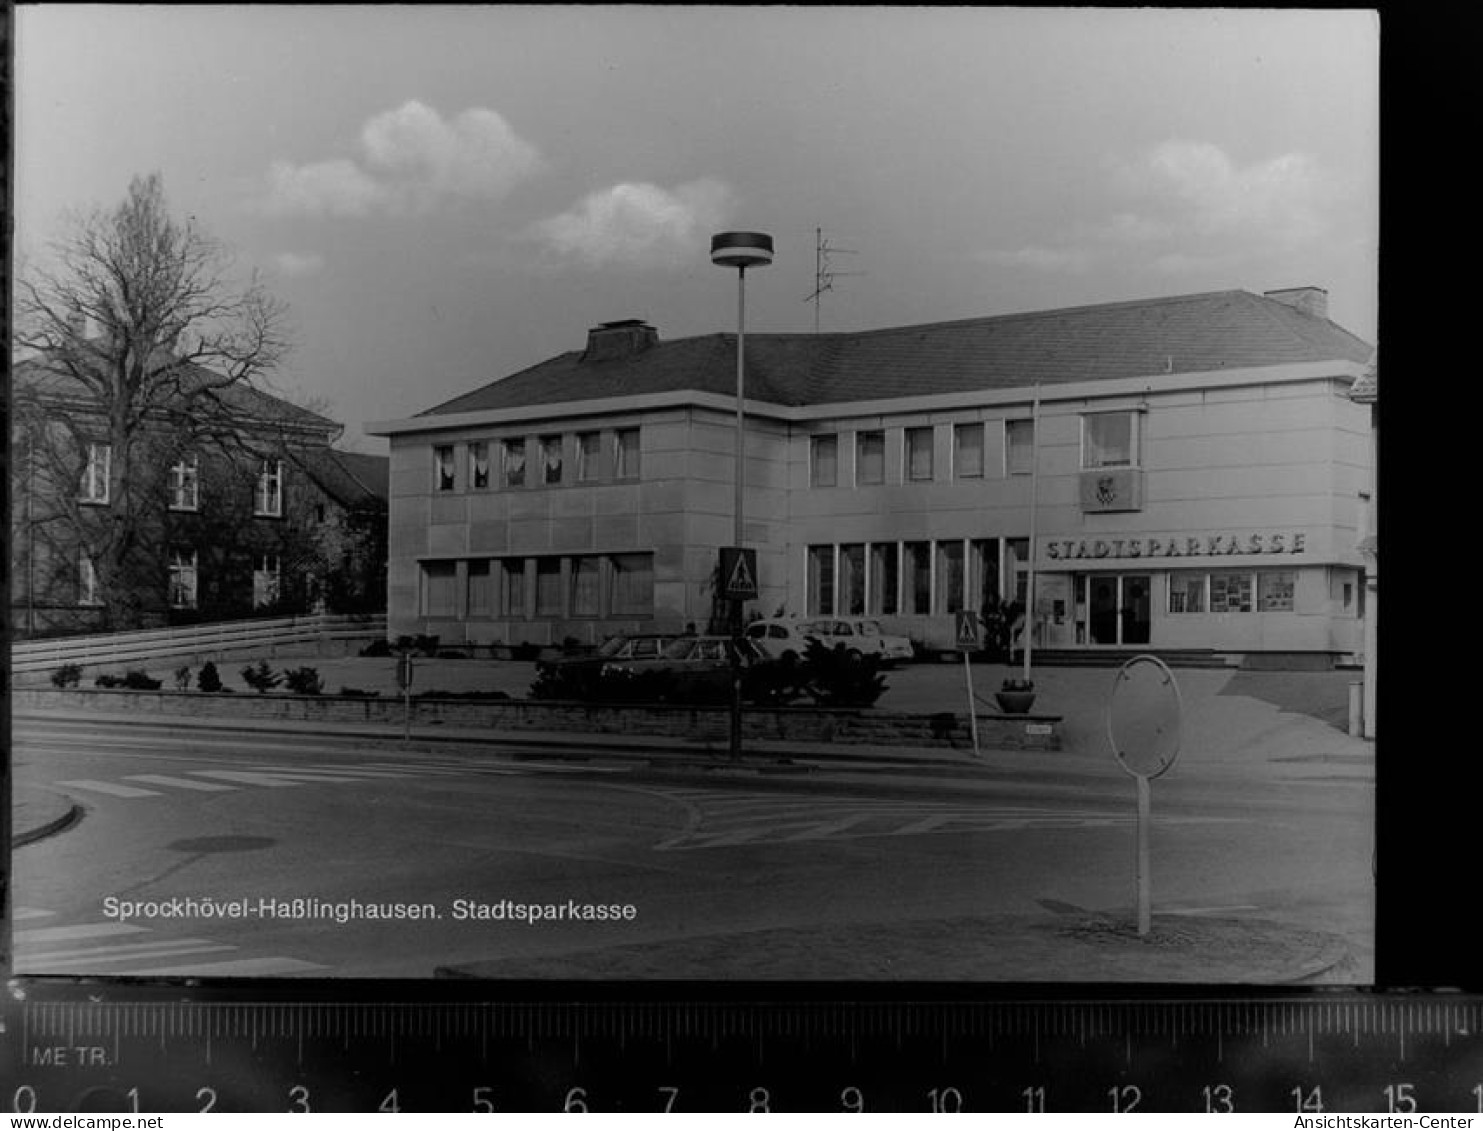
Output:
x,y
1197,471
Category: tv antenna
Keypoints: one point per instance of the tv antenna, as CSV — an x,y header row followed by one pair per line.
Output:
x,y
824,273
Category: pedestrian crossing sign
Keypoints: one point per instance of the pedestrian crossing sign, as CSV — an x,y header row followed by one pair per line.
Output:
x,y
965,631
738,573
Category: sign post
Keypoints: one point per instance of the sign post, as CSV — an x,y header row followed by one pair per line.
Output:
x,y
738,584
966,639
404,681
1143,724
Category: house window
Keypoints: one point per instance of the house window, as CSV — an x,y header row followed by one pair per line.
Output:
x,y
968,451
1274,592
1019,447
919,453
918,568
949,576
267,498
884,560
481,588
820,580
1019,553
870,458
94,486
983,572
479,465
632,585
182,578
626,453
1186,592
512,462
266,574
852,579
551,459
1230,592
548,587
823,461
439,582
88,592
589,456
185,479
512,587
1109,439
444,477
586,586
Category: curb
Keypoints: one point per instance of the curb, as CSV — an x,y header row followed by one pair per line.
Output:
x,y
72,816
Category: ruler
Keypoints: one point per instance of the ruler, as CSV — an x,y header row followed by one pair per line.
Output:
x,y
154,1049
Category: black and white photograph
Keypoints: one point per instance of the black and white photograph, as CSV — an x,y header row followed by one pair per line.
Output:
x,y
637,494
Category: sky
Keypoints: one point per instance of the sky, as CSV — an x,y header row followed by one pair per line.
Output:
x,y
444,196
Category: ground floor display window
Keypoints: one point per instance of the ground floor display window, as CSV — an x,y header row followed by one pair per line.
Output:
x,y
1114,608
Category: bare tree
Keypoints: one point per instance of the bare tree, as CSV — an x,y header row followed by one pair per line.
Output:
x,y
134,348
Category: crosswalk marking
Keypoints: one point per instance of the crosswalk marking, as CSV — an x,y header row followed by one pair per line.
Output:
x,y
79,931
274,780
180,783
94,955
110,788
30,913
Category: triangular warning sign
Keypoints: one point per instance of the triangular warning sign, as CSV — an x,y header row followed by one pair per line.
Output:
x,y
967,630
741,580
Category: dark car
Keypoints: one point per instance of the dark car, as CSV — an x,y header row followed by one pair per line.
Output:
x,y
691,668
576,676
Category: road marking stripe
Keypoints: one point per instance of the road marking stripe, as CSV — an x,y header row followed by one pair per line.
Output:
x,y
81,931
272,781
819,832
94,955
109,788
179,783
242,966
30,913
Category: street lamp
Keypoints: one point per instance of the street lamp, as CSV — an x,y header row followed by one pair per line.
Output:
x,y
740,250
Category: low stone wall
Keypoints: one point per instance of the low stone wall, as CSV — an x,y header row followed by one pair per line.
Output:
x,y
702,724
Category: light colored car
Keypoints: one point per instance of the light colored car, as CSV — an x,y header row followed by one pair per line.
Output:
x,y
860,635
780,637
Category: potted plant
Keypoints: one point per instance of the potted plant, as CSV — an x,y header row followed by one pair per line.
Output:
x,y
1016,696
1001,620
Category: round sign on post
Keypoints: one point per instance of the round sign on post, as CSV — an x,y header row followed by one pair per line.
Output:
x,y
1143,719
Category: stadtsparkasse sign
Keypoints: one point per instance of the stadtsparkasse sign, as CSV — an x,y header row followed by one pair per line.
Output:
x,y
1176,546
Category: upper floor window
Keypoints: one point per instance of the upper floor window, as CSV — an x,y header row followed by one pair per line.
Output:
x,y
626,453
268,497
968,451
94,486
1019,447
870,457
1109,439
266,576
919,453
182,578
479,465
185,481
444,476
513,462
551,459
823,461
589,456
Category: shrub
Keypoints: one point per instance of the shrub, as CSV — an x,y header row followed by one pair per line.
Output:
x,y
1000,619
68,675
471,696
452,654
357,693
260,677
377,648
183,678
304,681
776,683
837,680
209,678
525,650
129,681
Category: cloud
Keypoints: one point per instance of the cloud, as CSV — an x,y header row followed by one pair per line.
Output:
x,y
408,160
293,264
1190,208
638,223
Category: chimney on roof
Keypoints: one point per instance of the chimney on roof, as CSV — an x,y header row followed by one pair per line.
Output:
x,y
1312,301
614,340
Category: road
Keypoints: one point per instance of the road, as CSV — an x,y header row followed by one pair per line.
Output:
x,y
181,813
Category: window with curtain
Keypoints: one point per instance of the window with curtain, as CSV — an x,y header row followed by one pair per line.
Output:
x,y
870,457
589,456
1186,592
626,453
512,461
438,583
512,587
968,451
983,572
949,576
183,578
820,580
185,478
1109,439
444,475
87,582
548,587
852,579
918,570
884,559
919,454
551,459
585,586
479,465
1019,447
266,576
95,474
481,588
632,584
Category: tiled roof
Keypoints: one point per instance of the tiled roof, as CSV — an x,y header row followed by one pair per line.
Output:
x,y
1366,387
352,479
1183,334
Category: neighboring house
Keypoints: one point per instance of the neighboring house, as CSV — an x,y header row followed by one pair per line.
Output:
x,y
1199,470
237,501
350,521
1366,390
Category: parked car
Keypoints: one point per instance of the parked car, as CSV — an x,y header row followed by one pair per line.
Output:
x,y
689,667
860,636
780,637
574,676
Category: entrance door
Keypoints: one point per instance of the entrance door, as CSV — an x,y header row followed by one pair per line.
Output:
x,y
1120,607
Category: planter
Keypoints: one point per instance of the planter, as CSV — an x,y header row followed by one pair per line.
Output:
x,y
1015,702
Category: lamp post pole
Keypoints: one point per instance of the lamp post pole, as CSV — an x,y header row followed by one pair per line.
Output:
x,y
740,250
